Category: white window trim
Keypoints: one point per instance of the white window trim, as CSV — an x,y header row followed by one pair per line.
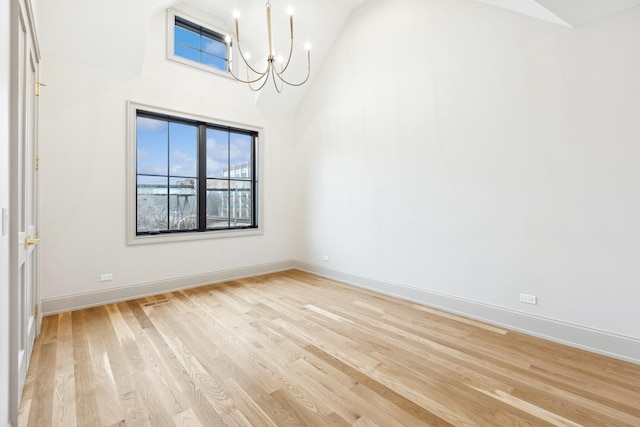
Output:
x,y
171,21
132,237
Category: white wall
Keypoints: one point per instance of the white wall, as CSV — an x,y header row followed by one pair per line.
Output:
x,y
468,151
5,24
83,173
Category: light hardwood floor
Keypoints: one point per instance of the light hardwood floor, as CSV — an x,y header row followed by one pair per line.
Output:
x,y
290,349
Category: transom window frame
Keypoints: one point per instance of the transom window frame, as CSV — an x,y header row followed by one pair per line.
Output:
x,y
171,22
133,238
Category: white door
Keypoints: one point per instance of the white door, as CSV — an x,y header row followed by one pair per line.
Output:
x,y
24,178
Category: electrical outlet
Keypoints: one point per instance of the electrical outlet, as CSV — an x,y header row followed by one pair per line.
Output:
x,y
106,277
528,299
325,257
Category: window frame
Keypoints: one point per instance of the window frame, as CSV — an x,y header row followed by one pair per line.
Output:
x,y
133,237
172,14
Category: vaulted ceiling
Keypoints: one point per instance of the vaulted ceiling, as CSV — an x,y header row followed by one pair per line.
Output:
x,y
572,13
114,34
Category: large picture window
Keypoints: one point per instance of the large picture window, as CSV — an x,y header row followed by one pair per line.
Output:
x,y
193,176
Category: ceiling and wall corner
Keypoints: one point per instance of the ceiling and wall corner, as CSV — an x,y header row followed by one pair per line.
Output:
x,y
571,13
584,12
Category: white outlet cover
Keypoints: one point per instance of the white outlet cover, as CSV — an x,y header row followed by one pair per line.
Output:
x,y
528,299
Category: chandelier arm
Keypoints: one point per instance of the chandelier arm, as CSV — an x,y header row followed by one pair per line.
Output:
x,y
249,84
275,82
289,58
282,70
302,82
248,81
245,61
265,76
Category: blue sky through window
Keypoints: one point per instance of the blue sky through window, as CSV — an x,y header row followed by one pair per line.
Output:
x,y
183,150
171,149
200,45
226,150
152,146
165,148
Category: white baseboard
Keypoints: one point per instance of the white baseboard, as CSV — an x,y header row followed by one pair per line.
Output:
x,y
596,341
124,293
601,342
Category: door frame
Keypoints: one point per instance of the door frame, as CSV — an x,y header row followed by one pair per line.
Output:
x,y
21,14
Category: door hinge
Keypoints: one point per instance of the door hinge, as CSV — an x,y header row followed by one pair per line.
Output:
x,y
37,163
36,310
38,86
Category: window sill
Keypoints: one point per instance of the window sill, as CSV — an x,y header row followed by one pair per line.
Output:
x,y
199,66
183,237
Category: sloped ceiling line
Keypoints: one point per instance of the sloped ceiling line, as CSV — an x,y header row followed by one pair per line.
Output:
x,y
571,13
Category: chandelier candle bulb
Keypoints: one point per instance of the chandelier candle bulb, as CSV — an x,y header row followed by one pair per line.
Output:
x,y
290,11
236,15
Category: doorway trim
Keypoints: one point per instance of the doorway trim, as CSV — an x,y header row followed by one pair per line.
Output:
x,y
21,15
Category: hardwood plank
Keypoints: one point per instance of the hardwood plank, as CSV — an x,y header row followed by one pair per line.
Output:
x,y
154,386
187,418
64,398
394,397
247,405
290,348
41,407
87,407
98,326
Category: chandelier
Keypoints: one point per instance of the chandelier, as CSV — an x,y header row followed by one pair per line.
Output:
x,y
276,65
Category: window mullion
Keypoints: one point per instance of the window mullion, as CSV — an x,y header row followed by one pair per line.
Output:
x,y
254,182
202,177
229,179
168,181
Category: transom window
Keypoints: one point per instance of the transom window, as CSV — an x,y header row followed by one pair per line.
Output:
x,y
199,44
193,176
